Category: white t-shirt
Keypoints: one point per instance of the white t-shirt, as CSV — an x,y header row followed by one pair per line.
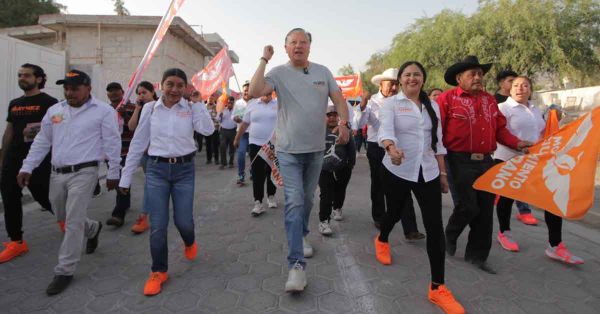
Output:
x,y
262,118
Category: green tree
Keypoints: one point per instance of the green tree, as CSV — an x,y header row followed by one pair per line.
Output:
x,y
26,12
545,39
120,8
346,70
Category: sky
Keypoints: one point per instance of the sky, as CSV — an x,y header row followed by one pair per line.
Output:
x,y
344,31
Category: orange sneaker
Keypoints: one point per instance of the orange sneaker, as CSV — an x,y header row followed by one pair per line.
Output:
x,y
507,242
12,250
154,283
443,298
382,252
61,225
527,219
141,224
191,251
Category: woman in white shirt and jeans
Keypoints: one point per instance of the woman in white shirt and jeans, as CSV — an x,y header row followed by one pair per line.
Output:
x,y
526,122
261,118
166,128
411,134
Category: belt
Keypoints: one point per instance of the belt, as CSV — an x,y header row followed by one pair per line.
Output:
x,y
472,156
75,168
174,160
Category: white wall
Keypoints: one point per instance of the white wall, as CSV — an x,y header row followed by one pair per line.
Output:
x,y
16,52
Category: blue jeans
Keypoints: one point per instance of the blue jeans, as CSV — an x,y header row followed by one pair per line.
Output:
x,y
164,182
144,162
523,208
300,173
241,156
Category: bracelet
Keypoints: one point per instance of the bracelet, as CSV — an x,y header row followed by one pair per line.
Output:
x,y
443,173
265,59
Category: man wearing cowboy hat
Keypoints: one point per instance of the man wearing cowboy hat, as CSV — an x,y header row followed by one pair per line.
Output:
x,y
471,125
369,115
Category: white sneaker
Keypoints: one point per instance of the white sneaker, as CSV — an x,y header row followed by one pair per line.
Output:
x,y
336,214
271,201
308,249
324,228
258,209
296,279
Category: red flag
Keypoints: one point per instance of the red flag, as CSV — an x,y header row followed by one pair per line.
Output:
x,y
159,34
218,70
351,85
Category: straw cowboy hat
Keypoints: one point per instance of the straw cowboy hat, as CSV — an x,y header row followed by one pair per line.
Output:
x,y
390,74
469,62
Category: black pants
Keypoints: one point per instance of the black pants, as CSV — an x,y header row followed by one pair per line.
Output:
x,y
260,171
39,185
227,137
358,140
375,155
123,200
333,191
212,147
199,139
429,197
553,222
474,208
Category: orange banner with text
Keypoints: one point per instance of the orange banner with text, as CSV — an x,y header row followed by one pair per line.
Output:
x,y
558,173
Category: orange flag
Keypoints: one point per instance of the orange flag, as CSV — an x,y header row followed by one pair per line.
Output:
x,y
217,72
558,173
223,98
351,85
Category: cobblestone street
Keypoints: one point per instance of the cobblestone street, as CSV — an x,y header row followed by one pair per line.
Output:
x,y
241,266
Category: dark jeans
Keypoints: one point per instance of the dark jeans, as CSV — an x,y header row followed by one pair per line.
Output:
x,y
212,146
199,139
375,155
39,185
429,197
451,185
241,156
123,200
227,137
333,191
475,208
166,183
260,171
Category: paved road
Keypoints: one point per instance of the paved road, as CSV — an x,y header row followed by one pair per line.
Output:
x,y
241,264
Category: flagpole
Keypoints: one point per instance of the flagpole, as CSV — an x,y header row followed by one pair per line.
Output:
x,y
236,80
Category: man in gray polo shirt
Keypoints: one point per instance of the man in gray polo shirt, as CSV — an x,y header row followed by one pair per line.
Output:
x,y
303,89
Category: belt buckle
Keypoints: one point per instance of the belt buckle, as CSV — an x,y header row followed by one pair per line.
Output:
x,y
173,160
477,156
73,169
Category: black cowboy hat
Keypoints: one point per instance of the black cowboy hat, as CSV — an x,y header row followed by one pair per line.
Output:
x,y
469,62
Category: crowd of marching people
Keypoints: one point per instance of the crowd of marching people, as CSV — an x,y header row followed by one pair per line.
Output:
x,y
417,144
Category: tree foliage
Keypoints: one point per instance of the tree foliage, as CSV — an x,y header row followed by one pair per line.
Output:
x,y
120,8
545,39
26,12
346,70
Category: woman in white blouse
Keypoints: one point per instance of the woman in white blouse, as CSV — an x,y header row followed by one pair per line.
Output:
x,y
525,121
166,128
261,118
411,134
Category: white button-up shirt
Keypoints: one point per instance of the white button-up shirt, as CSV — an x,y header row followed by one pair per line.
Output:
x,y
370,116
410,129
168,131
78,135
524,122
226,119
